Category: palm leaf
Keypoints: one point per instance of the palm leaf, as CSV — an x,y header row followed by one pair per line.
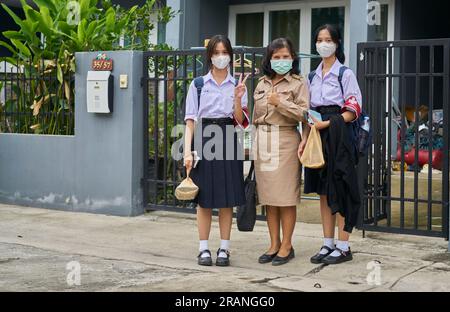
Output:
x,y
46,4
21,47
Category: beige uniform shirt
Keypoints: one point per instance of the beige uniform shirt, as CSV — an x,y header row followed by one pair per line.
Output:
x,y
294,98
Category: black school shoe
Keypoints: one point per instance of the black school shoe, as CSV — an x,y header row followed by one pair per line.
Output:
x,y
265,258
343,257
223,261
318,257
283,260
207,261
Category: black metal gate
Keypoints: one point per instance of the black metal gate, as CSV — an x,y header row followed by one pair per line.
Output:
x,y
166,80
405,87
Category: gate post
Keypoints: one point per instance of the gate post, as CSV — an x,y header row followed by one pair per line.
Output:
x,y
446,165
362,167
358,14
109,147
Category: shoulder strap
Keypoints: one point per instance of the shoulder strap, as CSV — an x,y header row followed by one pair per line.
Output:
x,y
341,75
198,83
251,173
311,76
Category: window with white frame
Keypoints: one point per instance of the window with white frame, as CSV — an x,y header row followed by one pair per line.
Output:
x,y
257,24
285,24
250,29
383,29
321,16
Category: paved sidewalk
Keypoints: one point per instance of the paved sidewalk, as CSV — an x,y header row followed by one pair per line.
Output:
x,y
157,252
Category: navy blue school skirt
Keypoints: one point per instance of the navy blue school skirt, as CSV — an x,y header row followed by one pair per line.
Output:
x,y
316,179
221,179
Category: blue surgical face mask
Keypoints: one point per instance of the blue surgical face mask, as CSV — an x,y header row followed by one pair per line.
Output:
x,y
281,67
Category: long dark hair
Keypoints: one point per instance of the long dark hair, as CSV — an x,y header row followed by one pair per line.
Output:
x,y
336,37
212,48
275,45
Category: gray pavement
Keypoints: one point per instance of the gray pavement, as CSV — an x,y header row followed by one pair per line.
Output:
x,y
157,252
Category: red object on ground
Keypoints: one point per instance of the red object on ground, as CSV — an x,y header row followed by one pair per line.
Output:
x,y
436,157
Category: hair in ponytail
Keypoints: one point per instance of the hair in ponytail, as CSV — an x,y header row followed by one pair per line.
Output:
x,y
336,37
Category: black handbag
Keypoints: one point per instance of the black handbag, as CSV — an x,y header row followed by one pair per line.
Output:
x,y
246,214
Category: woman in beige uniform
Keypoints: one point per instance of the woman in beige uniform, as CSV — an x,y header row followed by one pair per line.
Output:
x,y
281,99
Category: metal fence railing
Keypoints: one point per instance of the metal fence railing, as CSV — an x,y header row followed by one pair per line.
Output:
x,y
405,87
167,76
35,99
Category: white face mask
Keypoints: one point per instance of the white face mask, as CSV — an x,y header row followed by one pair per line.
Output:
x,y
326,49
221,61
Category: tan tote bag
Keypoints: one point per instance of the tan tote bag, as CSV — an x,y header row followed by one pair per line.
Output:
x,y
312,156
187,190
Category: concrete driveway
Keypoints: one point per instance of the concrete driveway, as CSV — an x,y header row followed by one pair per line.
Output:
x,y
44,250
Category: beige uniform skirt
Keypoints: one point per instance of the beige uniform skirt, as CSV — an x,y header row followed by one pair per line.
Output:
x,y
277,167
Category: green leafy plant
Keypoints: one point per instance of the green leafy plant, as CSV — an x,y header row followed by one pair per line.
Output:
x,y
43,50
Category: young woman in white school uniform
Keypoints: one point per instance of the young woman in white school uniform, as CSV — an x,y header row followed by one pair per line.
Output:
x,y
223,105
327,98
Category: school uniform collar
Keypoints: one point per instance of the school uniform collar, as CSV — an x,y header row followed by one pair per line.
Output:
x,y
209,77
287,77
334,69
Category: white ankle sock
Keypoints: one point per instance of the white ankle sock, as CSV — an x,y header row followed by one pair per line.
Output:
x,y
224,244
342,245
204,246
329,242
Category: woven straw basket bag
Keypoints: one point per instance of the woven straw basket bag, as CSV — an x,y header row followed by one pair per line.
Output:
x,y
187,190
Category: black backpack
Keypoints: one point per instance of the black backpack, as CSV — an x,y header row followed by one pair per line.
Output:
x,y
199,83
361,130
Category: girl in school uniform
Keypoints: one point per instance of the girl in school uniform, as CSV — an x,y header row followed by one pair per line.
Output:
x,y
329,99
281,99
219,173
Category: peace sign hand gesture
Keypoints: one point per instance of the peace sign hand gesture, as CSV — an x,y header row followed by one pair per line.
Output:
x,y
239,91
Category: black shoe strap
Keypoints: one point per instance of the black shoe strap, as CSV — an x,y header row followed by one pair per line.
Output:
x,y
204,251
327,248
343,253
223,250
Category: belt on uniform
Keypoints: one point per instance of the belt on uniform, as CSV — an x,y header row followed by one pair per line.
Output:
x,y
333,109
270,128
217,121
